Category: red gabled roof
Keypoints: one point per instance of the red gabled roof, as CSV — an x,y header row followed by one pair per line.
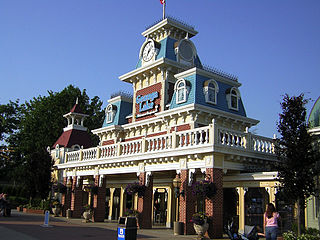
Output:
x,y
76,109
73,137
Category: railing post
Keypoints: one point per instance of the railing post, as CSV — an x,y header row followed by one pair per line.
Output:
x,y
118,149
66,157
143,145
249,145
80,155
98,154
213,133
174,139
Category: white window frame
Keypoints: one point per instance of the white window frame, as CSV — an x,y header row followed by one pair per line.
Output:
x,y
207,89
110,113
57,151
178,88
234,93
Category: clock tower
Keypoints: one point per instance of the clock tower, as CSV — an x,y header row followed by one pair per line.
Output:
x,y
166,51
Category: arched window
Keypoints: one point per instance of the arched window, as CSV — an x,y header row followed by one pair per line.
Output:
x,y
57,151
110,113
182,91
233,96
210,90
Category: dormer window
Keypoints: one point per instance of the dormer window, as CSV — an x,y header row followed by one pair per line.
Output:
x,y
110,113
233,96
182,91
210,90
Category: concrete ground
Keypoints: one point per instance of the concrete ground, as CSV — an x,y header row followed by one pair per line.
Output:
x,y
23,226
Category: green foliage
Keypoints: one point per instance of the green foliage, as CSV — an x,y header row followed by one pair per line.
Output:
x,y
17,201
305,236
40,124
298,159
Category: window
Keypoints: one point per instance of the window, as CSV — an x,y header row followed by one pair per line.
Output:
x,y
210,90
233,97
57,151
182,91
110,113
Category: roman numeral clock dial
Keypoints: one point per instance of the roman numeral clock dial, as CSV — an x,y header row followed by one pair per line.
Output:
x,y
148,51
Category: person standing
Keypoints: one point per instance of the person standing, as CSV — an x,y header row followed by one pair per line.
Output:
x,y
271,218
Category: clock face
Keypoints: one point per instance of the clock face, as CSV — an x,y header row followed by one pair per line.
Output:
x,y
148,51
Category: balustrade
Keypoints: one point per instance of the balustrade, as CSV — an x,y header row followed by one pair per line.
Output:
x,y
184,139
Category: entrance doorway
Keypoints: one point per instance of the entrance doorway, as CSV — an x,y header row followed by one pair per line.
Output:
x,y
160,206
116,204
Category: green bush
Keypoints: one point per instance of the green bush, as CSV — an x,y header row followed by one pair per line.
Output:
x,y
16,201
305,236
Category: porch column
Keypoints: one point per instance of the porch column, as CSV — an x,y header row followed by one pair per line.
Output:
x,y
111,203
187,203
76,198
66,198
99,200
122,201
214,206
272,194
145,202
241,205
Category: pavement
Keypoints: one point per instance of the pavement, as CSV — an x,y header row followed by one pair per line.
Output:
x,y
25,226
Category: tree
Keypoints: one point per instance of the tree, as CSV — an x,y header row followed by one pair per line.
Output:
x,y
297,156
41,123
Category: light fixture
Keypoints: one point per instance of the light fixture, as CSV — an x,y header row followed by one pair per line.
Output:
x,y
177,184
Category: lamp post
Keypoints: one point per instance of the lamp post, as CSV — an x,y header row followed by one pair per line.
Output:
x,y
178,226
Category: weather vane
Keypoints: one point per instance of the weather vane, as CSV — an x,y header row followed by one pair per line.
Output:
x,y
163,2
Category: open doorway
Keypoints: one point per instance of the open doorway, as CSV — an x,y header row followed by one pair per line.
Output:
x,y
160,206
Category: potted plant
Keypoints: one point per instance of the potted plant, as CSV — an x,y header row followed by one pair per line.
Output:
x,y
200,224
204,189
87,214
135,187
56,207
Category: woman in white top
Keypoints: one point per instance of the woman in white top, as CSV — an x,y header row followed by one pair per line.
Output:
x,y
271,218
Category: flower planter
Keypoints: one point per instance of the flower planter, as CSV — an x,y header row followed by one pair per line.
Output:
x,y
87,215
56,211
33,211
201,229
20,209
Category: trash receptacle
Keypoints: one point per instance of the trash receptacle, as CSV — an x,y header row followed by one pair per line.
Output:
x,y
127,228
69,213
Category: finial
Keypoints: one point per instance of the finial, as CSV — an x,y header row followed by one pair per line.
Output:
x,y
77,101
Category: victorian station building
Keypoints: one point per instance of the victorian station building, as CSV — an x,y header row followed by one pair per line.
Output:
x,y
185,122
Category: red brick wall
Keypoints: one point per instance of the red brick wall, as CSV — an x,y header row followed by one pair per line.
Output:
x,y
76,199
187,203
99,201
154,88
108,142
214,206
183,127
145,203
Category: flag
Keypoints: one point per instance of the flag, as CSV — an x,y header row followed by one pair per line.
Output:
x,y
162,1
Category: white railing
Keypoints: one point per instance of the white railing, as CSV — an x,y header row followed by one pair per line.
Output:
x,y
73,156
132,147
194,137
159,143
89,154
108,151
232,138
184,139
262,144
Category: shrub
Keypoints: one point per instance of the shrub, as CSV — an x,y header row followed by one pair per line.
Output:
x,y
131,213
135,187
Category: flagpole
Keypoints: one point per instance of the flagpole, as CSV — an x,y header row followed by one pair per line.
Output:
x,y
164,9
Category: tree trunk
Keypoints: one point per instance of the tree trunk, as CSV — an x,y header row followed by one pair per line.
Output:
x,y
299,217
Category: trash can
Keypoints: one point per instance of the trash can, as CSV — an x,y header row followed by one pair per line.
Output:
x,y
178,228
69,213
127,228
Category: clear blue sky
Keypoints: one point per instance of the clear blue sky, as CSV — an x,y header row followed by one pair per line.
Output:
x,y
273,46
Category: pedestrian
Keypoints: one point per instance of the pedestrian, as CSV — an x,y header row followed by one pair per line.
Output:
x,y
271,218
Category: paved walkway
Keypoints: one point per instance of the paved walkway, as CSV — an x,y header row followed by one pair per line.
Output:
x,y
23,226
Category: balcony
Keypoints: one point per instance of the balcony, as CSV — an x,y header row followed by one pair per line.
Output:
x,y
196,141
